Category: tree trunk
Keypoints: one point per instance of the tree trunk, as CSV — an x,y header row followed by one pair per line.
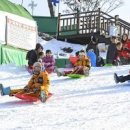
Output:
x,y
50,8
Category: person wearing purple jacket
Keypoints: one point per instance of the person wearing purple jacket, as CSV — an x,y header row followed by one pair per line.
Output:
x,y
49,61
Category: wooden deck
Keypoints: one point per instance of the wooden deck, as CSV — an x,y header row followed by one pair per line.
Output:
x,y
79,27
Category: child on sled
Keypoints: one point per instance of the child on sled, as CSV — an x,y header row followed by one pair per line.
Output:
x,y
37,86
82,66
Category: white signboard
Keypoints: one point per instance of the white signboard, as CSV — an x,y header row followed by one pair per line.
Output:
x,y
21,32
2,29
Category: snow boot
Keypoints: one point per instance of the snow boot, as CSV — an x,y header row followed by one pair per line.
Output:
x,y
1,90
4,91
58,72
86,72
119,78
43,96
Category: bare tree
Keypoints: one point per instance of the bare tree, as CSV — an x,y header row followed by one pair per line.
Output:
x,y
91,5
50,8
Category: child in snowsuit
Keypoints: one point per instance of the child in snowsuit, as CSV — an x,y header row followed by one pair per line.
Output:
x,y
82,66
37,86
49,61
121,78
40,56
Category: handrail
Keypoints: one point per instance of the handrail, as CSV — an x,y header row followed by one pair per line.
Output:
x,y
122,21
107,14
91,21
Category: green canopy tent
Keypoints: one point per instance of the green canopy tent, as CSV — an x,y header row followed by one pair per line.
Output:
x,y
10,54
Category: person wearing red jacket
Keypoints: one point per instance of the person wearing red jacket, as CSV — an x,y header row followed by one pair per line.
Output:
x,y
125,52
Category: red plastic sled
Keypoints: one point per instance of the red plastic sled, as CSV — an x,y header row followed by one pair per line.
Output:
x,y
28,97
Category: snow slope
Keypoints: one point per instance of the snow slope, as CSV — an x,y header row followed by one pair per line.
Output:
x,y
91,103
56,46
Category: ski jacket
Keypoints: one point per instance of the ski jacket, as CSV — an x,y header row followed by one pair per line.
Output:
x,y
92,58
32,57
126,50
83,62
48,59
111,53
42,81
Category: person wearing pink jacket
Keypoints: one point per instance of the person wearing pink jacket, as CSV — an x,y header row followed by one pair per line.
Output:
x,y
49,61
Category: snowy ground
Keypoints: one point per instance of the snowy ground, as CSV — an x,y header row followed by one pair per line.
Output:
x,y
91,103
56,47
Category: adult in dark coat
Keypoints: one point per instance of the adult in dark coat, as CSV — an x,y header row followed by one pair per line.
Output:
x,y
32,55
93,46
112,51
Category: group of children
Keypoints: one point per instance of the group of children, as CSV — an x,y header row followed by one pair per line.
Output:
x,y
46,59
38,85
42,64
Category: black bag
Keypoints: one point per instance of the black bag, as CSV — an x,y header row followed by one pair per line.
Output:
x,y
100,62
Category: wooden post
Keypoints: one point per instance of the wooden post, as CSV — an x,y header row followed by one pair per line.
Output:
x,y
117,23
98,21
116,20
58,25
77,21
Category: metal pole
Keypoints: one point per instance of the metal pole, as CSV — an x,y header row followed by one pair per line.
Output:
x,y
58,18
22,2
32,5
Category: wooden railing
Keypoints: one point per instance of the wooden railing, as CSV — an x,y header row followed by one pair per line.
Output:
x,y
90,22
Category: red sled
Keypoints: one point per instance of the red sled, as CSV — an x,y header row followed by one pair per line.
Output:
x,y
29,98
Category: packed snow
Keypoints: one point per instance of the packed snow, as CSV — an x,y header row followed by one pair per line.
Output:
x,y
91,103
57,46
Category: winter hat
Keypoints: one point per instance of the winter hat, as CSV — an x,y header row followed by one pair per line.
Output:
x,y
37,64
48,51
38,45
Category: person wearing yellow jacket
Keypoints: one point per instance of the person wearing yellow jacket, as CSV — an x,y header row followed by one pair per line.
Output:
x,y
37,86
82,66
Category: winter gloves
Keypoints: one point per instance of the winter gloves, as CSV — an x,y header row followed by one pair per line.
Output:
x,y
35,89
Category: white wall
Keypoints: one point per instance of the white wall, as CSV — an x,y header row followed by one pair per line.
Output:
x,y
2,28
